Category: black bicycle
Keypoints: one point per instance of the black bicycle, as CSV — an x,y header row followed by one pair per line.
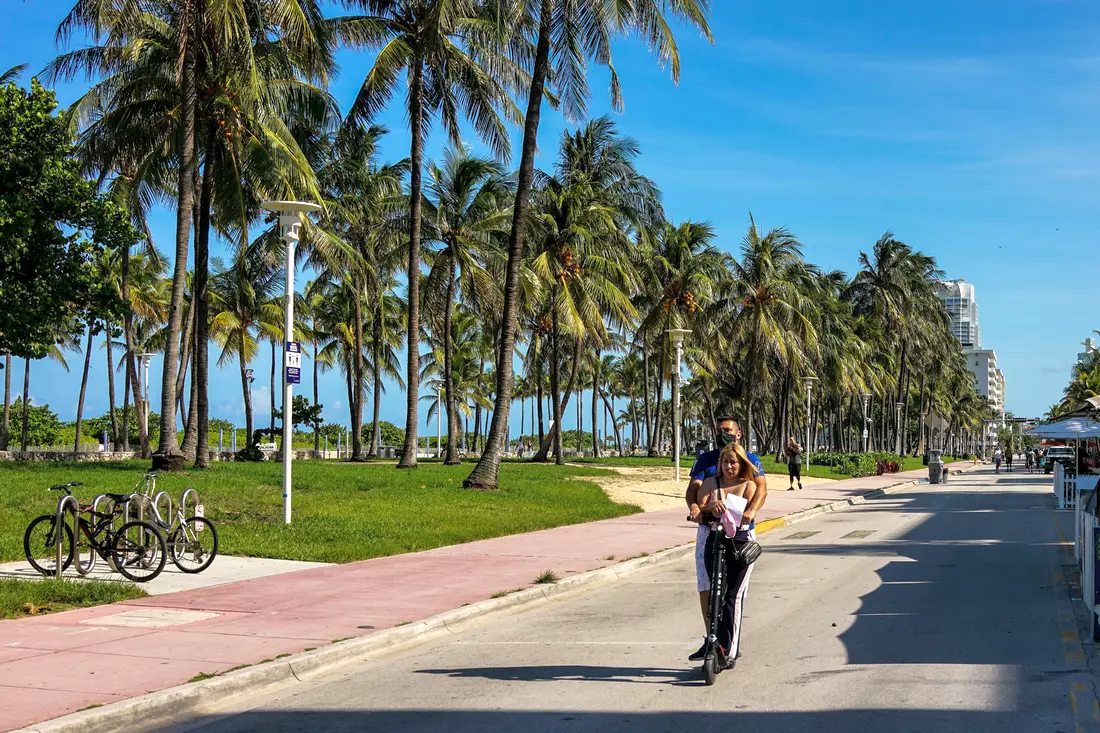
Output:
x,y
135,549
718,581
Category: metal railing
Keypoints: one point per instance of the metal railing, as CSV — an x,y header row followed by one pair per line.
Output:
x,y
59,527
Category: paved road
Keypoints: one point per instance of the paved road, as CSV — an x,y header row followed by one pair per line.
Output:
x,y
933,610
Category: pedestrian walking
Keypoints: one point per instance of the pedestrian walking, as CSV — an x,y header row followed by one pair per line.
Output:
x,y
793,452
997,461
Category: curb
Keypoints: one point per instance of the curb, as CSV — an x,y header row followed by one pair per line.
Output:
x,y
165,707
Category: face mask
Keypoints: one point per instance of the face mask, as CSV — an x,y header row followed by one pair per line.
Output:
x,y
725,439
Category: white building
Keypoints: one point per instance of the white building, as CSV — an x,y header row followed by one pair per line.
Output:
x,y
962,308
989,380
1090,349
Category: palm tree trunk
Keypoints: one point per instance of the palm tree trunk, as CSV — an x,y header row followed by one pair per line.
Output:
x,y
658,432
416,125
200,372
376,347
246,391
26,397
130,355
272,391
316,401
83,389
360,387
5,424
111,387
190,445
595,410
645,399
452,458
184,206
186,342
555,382
486,474
125,409
539,395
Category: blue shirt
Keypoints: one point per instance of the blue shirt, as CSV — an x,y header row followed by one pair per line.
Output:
x,y
706,464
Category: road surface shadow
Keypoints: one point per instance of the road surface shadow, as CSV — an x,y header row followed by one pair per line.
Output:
x,y
891,720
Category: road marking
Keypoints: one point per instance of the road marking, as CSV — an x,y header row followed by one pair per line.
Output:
x,y
802,535
859,534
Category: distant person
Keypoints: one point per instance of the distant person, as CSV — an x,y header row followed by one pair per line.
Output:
x,y
1008,461
793,452
1030,461
997,461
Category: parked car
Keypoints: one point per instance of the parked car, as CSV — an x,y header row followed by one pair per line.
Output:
x,y
1059,454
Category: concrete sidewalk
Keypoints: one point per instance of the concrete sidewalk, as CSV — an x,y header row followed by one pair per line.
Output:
x,y
57,664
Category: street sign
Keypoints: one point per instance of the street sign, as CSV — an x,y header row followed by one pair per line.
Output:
x,y
293,375
293,355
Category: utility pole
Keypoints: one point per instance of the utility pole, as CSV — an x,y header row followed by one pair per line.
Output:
x,y
290,224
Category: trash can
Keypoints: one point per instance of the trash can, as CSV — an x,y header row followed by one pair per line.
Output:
x,y
935,467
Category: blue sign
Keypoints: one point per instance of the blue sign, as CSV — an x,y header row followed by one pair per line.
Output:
x,y
294,346
293,375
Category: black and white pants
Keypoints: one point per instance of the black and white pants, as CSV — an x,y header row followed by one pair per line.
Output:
x,y
737,585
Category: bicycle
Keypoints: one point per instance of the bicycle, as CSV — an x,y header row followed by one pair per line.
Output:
x,y
192,541
136,549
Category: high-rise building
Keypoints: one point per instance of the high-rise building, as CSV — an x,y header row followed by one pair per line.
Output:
x,y
1090,349
962,308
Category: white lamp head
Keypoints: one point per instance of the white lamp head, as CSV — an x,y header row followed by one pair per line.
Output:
x,y
289,207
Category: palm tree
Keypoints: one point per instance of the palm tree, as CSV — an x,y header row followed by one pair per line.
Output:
x,y
553,30
466,208
364,199
440,46
244,295
771,310
55,353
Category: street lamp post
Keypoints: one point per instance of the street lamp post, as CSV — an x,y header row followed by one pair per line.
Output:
x,y
438,421
677,336
866,433
290,224
809,438
145,359
897,427
920,443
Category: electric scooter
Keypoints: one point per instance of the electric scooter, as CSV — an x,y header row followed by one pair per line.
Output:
x,y
718,581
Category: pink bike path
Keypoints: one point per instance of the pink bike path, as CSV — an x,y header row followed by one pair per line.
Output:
x,y
56,664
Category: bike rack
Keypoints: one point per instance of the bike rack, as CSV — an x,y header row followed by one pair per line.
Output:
x,y
166,517
183,502
62,505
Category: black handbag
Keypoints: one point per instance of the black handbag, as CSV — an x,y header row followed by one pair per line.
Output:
x,y
746,553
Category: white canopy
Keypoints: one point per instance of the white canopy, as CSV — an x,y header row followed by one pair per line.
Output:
x,y
1074,427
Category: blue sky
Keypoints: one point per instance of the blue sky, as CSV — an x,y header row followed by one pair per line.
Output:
x,y
967,127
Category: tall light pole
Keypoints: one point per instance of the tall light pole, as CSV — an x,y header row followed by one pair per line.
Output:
x,y
897,428
920,442
145,359
809,417
866,433
677,336
290,224
438,421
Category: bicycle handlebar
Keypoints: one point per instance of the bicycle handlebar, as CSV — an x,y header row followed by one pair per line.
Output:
x,y
64,487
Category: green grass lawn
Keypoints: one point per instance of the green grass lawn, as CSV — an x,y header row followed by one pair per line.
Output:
x,y
342,511
51,596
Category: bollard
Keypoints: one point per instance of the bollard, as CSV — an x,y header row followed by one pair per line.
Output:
x,y
106,447
221,435
233,440
339,436
325,454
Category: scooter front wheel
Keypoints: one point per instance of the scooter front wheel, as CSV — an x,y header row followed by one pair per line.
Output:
x,y
710,668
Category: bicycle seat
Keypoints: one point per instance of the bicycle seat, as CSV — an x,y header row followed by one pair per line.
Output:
x,y
118,497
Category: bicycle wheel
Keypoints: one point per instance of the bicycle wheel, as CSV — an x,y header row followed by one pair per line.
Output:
x,y
193,545
40,544
139,551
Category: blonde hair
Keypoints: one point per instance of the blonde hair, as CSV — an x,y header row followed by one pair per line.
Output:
x,y
747,471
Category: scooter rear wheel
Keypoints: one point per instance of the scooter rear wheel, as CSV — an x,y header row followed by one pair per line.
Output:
x,y
710,668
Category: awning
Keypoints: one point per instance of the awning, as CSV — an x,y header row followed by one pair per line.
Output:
x,y
1074,427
